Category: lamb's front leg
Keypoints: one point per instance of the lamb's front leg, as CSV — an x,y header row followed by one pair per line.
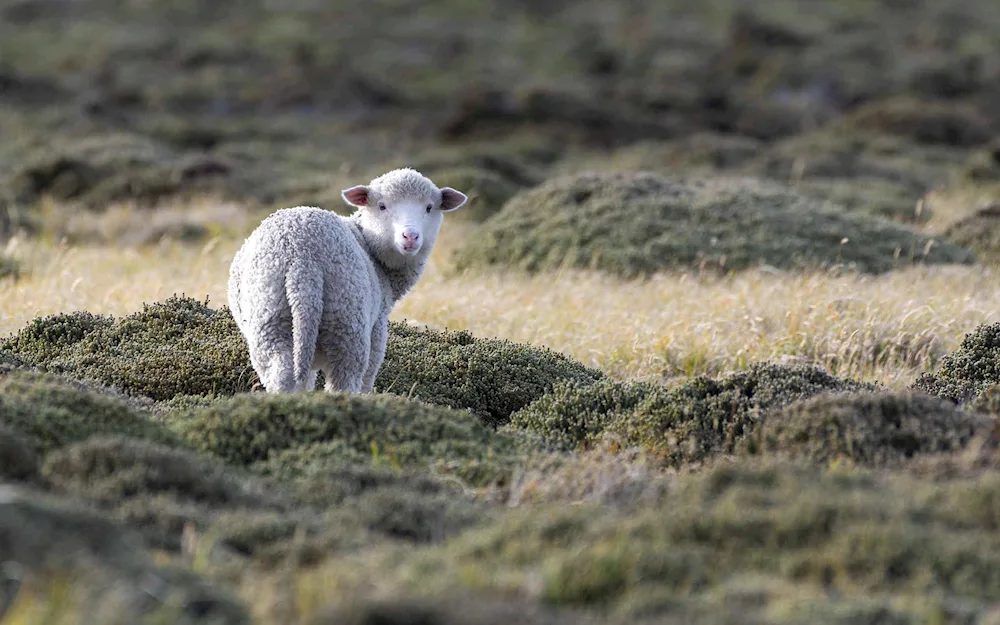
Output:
x,y
380,338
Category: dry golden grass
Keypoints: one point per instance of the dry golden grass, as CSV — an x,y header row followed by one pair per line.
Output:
x,y
886,328
110,280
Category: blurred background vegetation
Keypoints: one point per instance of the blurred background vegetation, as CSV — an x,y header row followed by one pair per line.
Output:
x,y
757,233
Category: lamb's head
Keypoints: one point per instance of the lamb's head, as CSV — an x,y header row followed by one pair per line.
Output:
x,y
404,209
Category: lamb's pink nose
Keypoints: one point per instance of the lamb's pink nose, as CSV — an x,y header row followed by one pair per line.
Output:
x,y
411,237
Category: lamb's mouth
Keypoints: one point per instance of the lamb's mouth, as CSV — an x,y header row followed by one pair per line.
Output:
x,y
408,250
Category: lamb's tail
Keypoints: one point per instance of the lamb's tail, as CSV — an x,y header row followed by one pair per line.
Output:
x,y
304,291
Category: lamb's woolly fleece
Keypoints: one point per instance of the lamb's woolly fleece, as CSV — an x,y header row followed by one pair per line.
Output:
x,y
311,290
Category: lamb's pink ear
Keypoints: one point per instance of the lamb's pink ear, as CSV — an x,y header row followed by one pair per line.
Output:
x,y
451,199
356,196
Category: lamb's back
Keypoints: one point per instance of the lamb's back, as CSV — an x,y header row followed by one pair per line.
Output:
x,y
305,235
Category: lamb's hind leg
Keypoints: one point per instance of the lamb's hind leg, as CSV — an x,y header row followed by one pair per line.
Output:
x,y
276,367
345,357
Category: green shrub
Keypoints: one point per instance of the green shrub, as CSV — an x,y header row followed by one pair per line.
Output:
x,y
301,434
182,350
380,505
868,189
101,169
414,517
51,412
922,121
451,609
575,415
106,566
493,378
874,429
979,232
316,458
969,370
637,224
688,423
704,152
18,460
9,362
175,347
983,166
159,492
869,171
115,468
10,267
47,338
875,196
788,534
338,483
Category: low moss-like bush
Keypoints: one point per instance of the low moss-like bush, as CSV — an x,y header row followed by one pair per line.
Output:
x,y
928,122
18,460
98,170
414,517
317,458
875,429
869,172
702,151
493,378
464,609
983,166
10,267
49,337
116,468
9,362
347,508
51,412
175,347
181,350
969,370
300,434
574,415
866,188
638,224
334,484
784,533
979,232
106,564
874,196
684,424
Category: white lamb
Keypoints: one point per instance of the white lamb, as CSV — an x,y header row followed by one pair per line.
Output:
x,y
311,290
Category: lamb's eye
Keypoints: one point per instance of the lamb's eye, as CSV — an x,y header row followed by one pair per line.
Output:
x,y
381,206
429,207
